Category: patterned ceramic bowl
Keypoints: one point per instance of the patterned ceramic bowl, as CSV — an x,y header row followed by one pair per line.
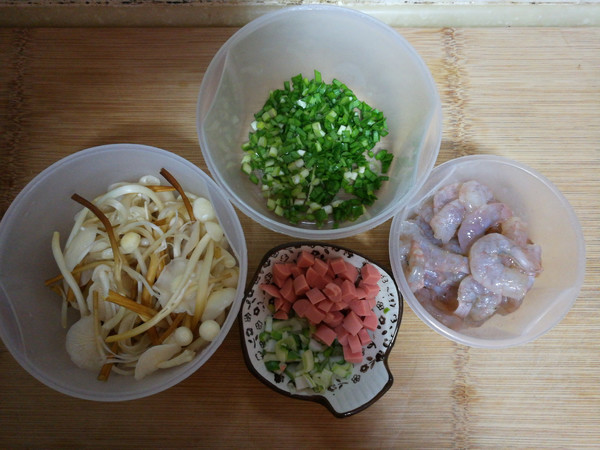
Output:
x,y
369,380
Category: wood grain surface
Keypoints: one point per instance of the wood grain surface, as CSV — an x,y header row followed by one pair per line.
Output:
x,y
528,94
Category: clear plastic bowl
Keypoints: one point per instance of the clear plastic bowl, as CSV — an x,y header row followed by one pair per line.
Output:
x,y
30,312
552,224
371,58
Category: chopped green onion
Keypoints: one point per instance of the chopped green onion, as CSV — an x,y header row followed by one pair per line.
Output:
x,y
316,141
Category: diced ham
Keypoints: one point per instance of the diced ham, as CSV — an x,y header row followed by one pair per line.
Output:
x,y
320,266
314,314
300,306
281,315
281,270
361,307
354,344
371,290
338,265
270,289
370,274
279,280
342,335
352,323
294,269
305,260
333,318
325,306
300,285
348,291
372,302
282,305
315,295
333,292
314,279
360,292
325,292
354,358
364,337
287,290
325,334
370,322
350,273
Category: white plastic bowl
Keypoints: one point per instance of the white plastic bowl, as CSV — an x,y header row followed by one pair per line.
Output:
x,y
371,58
30,312
552,224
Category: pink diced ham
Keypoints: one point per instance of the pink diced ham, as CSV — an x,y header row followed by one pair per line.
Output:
x,y
354,344
354,358
270,289
371,290
320,266
342,334
325,334
333,292
364,337
314,279
325,306
281,270
338,265
361,307
315,295
300,285
370,322
281,315
370,274
352,323
282,305
305,260
333,318
348,291
314,314
350,273
300,306
287,290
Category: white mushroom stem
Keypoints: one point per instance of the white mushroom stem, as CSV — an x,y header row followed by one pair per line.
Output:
x,y
175,299
68,277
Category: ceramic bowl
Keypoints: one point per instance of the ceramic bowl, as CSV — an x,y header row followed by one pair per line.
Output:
x,y
369,380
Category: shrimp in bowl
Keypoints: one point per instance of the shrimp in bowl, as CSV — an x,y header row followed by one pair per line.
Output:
x,y
466,256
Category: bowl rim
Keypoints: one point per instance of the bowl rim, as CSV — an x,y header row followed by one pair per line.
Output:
x,y
205,98
458,337
188,369
321,399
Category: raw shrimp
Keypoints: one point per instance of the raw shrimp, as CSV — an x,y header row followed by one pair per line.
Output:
x,y
474,195
477,222
475,300
429,264
445,195
457,264
515,228
489,263
447,220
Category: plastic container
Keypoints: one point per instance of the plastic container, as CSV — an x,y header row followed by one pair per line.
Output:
x,y
371,58
30,312
552,224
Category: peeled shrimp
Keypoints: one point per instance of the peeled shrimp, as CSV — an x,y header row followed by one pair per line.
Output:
x,y
479,221
447,220
475,300
473,195
445,195
502,266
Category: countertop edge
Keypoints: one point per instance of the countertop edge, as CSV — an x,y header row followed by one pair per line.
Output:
x,y
236,15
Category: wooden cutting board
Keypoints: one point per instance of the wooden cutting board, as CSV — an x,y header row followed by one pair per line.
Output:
x,y
531,94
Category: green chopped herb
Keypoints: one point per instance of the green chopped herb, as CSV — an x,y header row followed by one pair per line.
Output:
x,y
311,150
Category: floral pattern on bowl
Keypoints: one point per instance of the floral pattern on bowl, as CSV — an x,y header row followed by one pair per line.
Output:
x,y
369,380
